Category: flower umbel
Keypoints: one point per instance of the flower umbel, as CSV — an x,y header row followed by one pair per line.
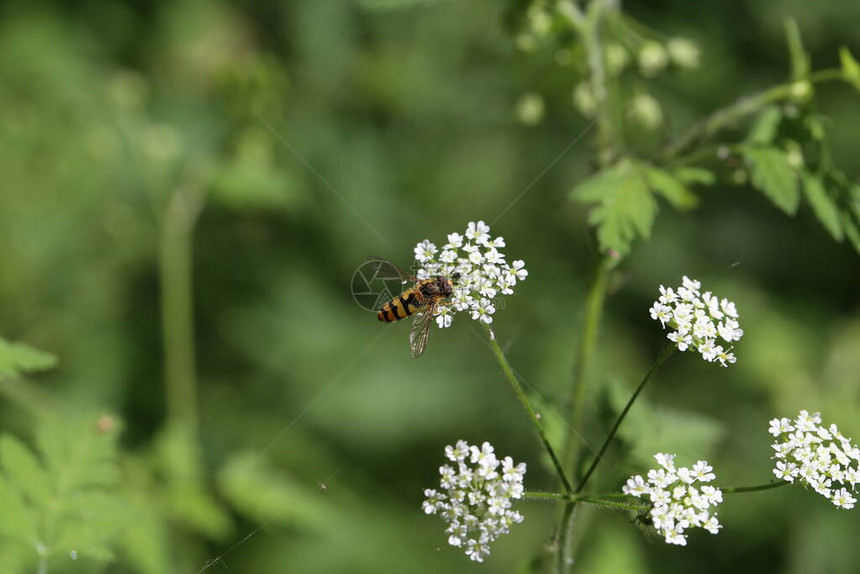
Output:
x,y
698,320
816,455
478,270
676,503
475,498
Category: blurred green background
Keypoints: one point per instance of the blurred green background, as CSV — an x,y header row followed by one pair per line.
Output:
x,y
311,134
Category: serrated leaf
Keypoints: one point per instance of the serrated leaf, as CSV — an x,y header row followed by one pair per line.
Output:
x,y
692,175
765,127
24,469
799,57
78,454
850,67
18,520
667,185
18,358
822,205
773,175
87,522
625,206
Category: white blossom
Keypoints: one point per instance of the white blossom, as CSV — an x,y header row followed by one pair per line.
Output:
x,y
477,268
475,499
698,320
676,503
818,456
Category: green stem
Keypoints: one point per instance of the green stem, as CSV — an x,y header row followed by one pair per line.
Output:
x,y
604,499
564,558
177,305
588,26
610,503
661,358
565,538
538,495
742,107
703,153
43,559
755,488
518,389
593,314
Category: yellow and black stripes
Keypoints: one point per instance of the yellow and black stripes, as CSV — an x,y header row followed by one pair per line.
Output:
x,y
401,306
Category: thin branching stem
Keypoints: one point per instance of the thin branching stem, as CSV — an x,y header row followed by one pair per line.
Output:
x,y
661,358
756,488
743,107
608,500
588,27
518,389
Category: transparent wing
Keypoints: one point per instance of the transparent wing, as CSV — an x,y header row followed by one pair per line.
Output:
x,y
383,269
420,332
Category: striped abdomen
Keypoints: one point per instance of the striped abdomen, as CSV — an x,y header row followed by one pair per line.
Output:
x,y
401,306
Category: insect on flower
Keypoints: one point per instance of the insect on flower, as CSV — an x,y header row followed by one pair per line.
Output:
x,y
421,300
466,275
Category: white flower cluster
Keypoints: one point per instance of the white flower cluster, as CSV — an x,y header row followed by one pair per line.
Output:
x,y
676,503
475,498
476,268
816,455
698,319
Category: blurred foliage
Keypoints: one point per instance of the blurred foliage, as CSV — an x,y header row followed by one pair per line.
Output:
x,y
266,148
61,507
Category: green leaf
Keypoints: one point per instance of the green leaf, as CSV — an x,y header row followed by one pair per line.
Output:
x,y
189,500
773,175
191,504
555,426
667,185
145,540
87,522
651,428
854,199
852,231
799,57
691,175
18,520
252,179
17,359
850,67
78,453
822,204
625,206
24,469
766,125
263,494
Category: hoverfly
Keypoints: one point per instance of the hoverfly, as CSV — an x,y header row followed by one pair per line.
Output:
x,y
421,300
